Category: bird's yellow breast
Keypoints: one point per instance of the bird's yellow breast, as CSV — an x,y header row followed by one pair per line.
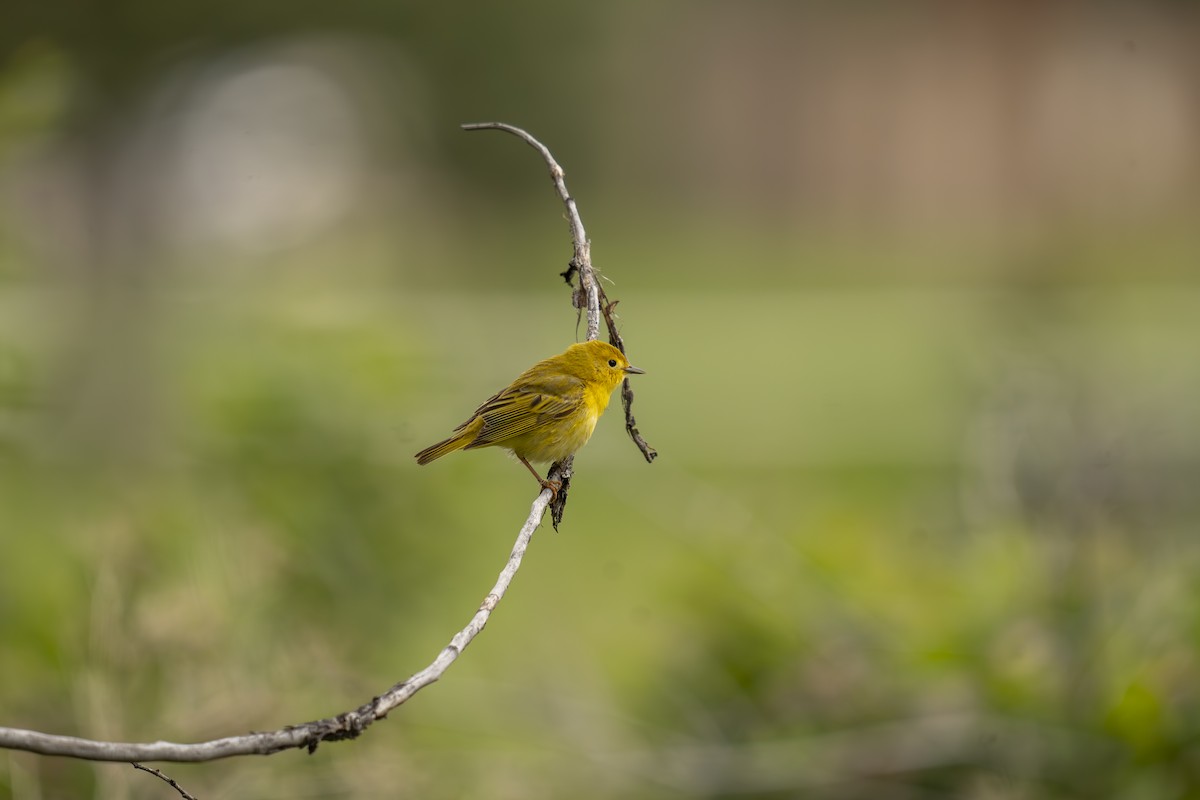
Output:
x,y
554,443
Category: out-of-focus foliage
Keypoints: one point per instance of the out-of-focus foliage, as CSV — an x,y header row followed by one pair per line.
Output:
x,y
916,292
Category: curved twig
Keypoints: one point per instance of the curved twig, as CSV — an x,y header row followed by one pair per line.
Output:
x,y
582,260
310,734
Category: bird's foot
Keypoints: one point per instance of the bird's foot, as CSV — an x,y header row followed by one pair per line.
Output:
x,y
553,486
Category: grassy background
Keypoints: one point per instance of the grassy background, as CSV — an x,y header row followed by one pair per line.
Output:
x,y
923,519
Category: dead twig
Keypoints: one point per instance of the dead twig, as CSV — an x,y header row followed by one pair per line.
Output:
x,y
171,781
614,338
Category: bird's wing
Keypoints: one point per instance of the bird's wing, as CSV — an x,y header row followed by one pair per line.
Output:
x,y
517,411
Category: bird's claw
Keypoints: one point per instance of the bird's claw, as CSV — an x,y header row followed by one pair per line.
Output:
x,y
553,486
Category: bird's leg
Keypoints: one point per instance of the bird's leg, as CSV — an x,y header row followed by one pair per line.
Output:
x,y
553,486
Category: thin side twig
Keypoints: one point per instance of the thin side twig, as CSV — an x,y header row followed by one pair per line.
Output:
x,y
169,780
308,735
614,338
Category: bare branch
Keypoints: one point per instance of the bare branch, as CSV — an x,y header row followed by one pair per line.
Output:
x,y
169,780
582,260
309,735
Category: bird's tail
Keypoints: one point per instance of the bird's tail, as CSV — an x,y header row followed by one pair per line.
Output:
x,y
442,448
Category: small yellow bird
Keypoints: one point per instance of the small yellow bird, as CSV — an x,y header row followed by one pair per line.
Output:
x,y
548,412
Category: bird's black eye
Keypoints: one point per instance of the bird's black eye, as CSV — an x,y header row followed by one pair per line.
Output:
x,y
612,362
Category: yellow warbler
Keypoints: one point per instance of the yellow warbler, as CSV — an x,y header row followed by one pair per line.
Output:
x,y
548,412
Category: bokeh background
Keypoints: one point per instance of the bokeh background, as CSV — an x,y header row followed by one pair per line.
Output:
x,y
916,289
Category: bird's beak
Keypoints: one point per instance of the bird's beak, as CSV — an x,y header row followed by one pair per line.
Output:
x,y
632,370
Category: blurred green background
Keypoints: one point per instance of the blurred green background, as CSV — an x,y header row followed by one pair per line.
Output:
x,y
916,288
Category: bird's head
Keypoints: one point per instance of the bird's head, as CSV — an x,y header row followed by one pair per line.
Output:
x,y
598,362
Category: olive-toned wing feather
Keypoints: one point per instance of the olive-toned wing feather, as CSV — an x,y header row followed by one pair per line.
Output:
x,y
522,408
